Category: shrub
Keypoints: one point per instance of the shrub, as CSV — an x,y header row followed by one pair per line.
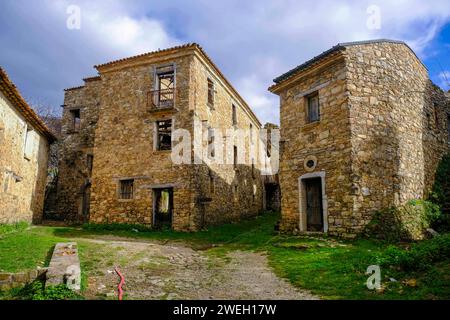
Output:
x,y
37,291
441,187
440,193
420,256
407,222
115,227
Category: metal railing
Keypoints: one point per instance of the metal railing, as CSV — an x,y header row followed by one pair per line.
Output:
x,y
161,99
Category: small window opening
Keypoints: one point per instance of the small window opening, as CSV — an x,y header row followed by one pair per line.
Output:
x,y
313,112
210,93
126,189
164,135
234,115
76,120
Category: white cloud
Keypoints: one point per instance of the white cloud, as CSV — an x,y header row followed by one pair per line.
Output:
x,y
252,42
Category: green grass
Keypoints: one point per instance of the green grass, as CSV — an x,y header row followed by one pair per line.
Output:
x,y
328,267
8,228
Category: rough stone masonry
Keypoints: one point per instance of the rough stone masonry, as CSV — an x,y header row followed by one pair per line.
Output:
x,y
116,162
362,128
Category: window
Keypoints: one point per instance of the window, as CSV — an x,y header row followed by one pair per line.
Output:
x,y
234,115
76,120
210,92
164,135
251,133
211,141
313,111
126,189
164,95
29,144
90,163
235,156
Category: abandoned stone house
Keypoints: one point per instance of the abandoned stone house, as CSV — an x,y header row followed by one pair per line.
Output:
x,y
362,128
116,164
24,147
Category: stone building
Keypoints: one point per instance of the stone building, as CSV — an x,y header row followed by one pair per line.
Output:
x,y
362,128
24,146
119,134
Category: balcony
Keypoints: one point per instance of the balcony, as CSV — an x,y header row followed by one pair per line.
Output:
x,y
161,100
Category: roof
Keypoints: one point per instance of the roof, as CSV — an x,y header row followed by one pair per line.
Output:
x,y
10,91
193,46
184,46
336,48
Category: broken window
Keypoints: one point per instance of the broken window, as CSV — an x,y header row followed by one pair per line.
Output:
x,y
76,120
313,111
164,135
126,189
210,93
165,90
234,114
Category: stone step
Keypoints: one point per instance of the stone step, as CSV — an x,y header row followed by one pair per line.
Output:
x,y
64,266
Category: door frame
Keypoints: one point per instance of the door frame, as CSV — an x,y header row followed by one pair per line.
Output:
x,y
171,194
303,227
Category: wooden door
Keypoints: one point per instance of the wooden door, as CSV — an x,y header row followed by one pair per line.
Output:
x,y
314,209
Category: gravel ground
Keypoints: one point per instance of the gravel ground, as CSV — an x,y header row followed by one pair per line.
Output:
x,y
172,271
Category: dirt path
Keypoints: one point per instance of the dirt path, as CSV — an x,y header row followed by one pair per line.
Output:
x,y
173,271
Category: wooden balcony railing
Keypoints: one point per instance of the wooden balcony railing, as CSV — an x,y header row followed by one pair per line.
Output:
x,y
161,99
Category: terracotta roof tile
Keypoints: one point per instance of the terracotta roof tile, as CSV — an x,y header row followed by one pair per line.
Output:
x,y
10,91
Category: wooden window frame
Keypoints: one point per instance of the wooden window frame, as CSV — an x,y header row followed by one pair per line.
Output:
x,y
158,133
308,99
126,192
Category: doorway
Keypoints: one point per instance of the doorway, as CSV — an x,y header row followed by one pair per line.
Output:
x,y
314,207
163,208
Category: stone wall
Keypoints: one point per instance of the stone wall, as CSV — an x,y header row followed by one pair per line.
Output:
x,y
22,172
327,142
124,147
381,134
74,174
237,192
10,281
394,150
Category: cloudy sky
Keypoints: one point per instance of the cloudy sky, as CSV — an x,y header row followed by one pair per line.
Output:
x,y
252,42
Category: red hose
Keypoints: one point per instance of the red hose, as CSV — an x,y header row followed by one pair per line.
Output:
x,y
122,281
